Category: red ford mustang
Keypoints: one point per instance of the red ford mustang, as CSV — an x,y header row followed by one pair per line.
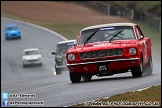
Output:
x,y
109,49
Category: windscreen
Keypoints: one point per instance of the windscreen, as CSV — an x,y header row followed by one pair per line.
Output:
x,y
106,33
12,28
33,52
62,48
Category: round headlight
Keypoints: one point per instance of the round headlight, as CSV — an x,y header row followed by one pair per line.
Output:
x,y
132,51
39,58
59,58
71,57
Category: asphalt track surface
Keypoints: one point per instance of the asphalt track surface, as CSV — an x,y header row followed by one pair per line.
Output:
x,y
57,90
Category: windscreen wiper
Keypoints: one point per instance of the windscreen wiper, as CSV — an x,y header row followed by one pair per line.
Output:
x,y
115,35
89,37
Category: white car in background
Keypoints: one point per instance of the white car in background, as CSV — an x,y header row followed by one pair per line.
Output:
x,y
32,56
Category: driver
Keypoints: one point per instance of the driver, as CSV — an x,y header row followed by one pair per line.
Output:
x,y
94,38
97,37
63,51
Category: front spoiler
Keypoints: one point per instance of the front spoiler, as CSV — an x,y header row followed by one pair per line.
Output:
x,y
94,62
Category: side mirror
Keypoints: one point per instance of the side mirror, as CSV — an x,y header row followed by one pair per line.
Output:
x,y
53,53
141,37
74,44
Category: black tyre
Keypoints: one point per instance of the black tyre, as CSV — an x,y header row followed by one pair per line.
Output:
x,y
149,67
75,77
86,77
24,65
6,38
58,70
138,70
40,64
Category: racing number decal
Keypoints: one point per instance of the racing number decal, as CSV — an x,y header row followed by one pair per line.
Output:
x,y
102,68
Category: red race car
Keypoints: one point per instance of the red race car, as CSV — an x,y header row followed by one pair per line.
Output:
x,y
109,49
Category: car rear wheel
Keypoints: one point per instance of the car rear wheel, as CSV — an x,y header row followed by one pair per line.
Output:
x,y
149,67
75,77
86,77
138,70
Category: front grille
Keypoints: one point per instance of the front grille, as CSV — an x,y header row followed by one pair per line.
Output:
x,y
14,35
32,60
101,53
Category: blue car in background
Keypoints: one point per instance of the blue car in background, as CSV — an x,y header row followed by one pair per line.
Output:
x,y
12,31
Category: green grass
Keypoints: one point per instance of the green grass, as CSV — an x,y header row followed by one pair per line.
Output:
x,y
140,98
70,31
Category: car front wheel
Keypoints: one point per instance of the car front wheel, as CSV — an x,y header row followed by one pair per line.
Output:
x,y
6,38
138,70
75,77
40,64
24,65
58,70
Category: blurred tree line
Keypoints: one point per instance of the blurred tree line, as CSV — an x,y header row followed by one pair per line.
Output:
x,y
153,7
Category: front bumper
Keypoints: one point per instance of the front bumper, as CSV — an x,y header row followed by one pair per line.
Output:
x,y
13,36
32,62
112,65
62,67
61,64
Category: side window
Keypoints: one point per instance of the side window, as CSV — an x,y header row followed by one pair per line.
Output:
x,y
138,32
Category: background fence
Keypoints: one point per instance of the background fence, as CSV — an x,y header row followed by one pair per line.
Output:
x,y
107,9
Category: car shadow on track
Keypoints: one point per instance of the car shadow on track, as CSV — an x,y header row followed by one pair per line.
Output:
x,y
31,66
145,74
108,79
13,39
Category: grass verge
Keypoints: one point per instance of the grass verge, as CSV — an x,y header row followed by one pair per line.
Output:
x,y
147,97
